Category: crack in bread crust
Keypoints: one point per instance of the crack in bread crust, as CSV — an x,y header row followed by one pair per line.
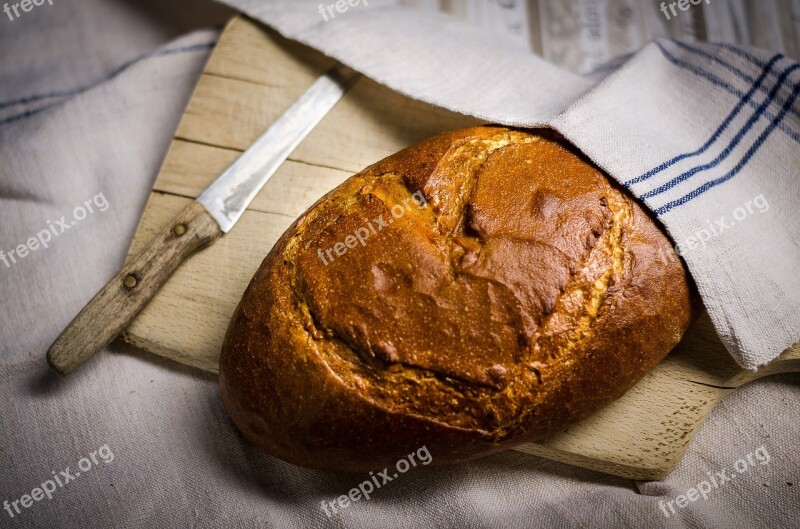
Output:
x,y
490,407
529,293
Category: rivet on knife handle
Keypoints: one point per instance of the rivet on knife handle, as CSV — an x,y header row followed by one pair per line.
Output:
x,y
113,308
214,212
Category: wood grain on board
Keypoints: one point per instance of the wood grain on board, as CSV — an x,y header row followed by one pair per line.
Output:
x,y
252,77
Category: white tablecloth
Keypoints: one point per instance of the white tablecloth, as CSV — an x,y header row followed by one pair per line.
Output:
x,y
85,113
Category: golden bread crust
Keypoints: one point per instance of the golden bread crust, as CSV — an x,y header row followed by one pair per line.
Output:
x,y
513,290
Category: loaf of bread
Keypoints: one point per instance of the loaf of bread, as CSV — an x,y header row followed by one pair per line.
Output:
x,y
484,288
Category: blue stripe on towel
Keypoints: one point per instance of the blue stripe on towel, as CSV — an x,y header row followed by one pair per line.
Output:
x,y
734,142
730,67
742,163
76,91
713,79
742,101
116,71
738,51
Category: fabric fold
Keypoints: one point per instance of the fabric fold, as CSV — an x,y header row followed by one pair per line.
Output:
x,y
704,135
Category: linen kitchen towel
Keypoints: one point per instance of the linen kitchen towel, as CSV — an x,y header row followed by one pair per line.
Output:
x,y
706,136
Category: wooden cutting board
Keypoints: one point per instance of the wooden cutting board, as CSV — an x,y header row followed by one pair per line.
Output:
x,y
252,77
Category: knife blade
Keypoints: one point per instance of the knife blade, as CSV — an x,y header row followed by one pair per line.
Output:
x,y
228,196
212,214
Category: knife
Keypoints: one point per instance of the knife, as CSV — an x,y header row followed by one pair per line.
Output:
x,y
211,215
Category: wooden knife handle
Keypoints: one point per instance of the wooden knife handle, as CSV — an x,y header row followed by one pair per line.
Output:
x,y
113,308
